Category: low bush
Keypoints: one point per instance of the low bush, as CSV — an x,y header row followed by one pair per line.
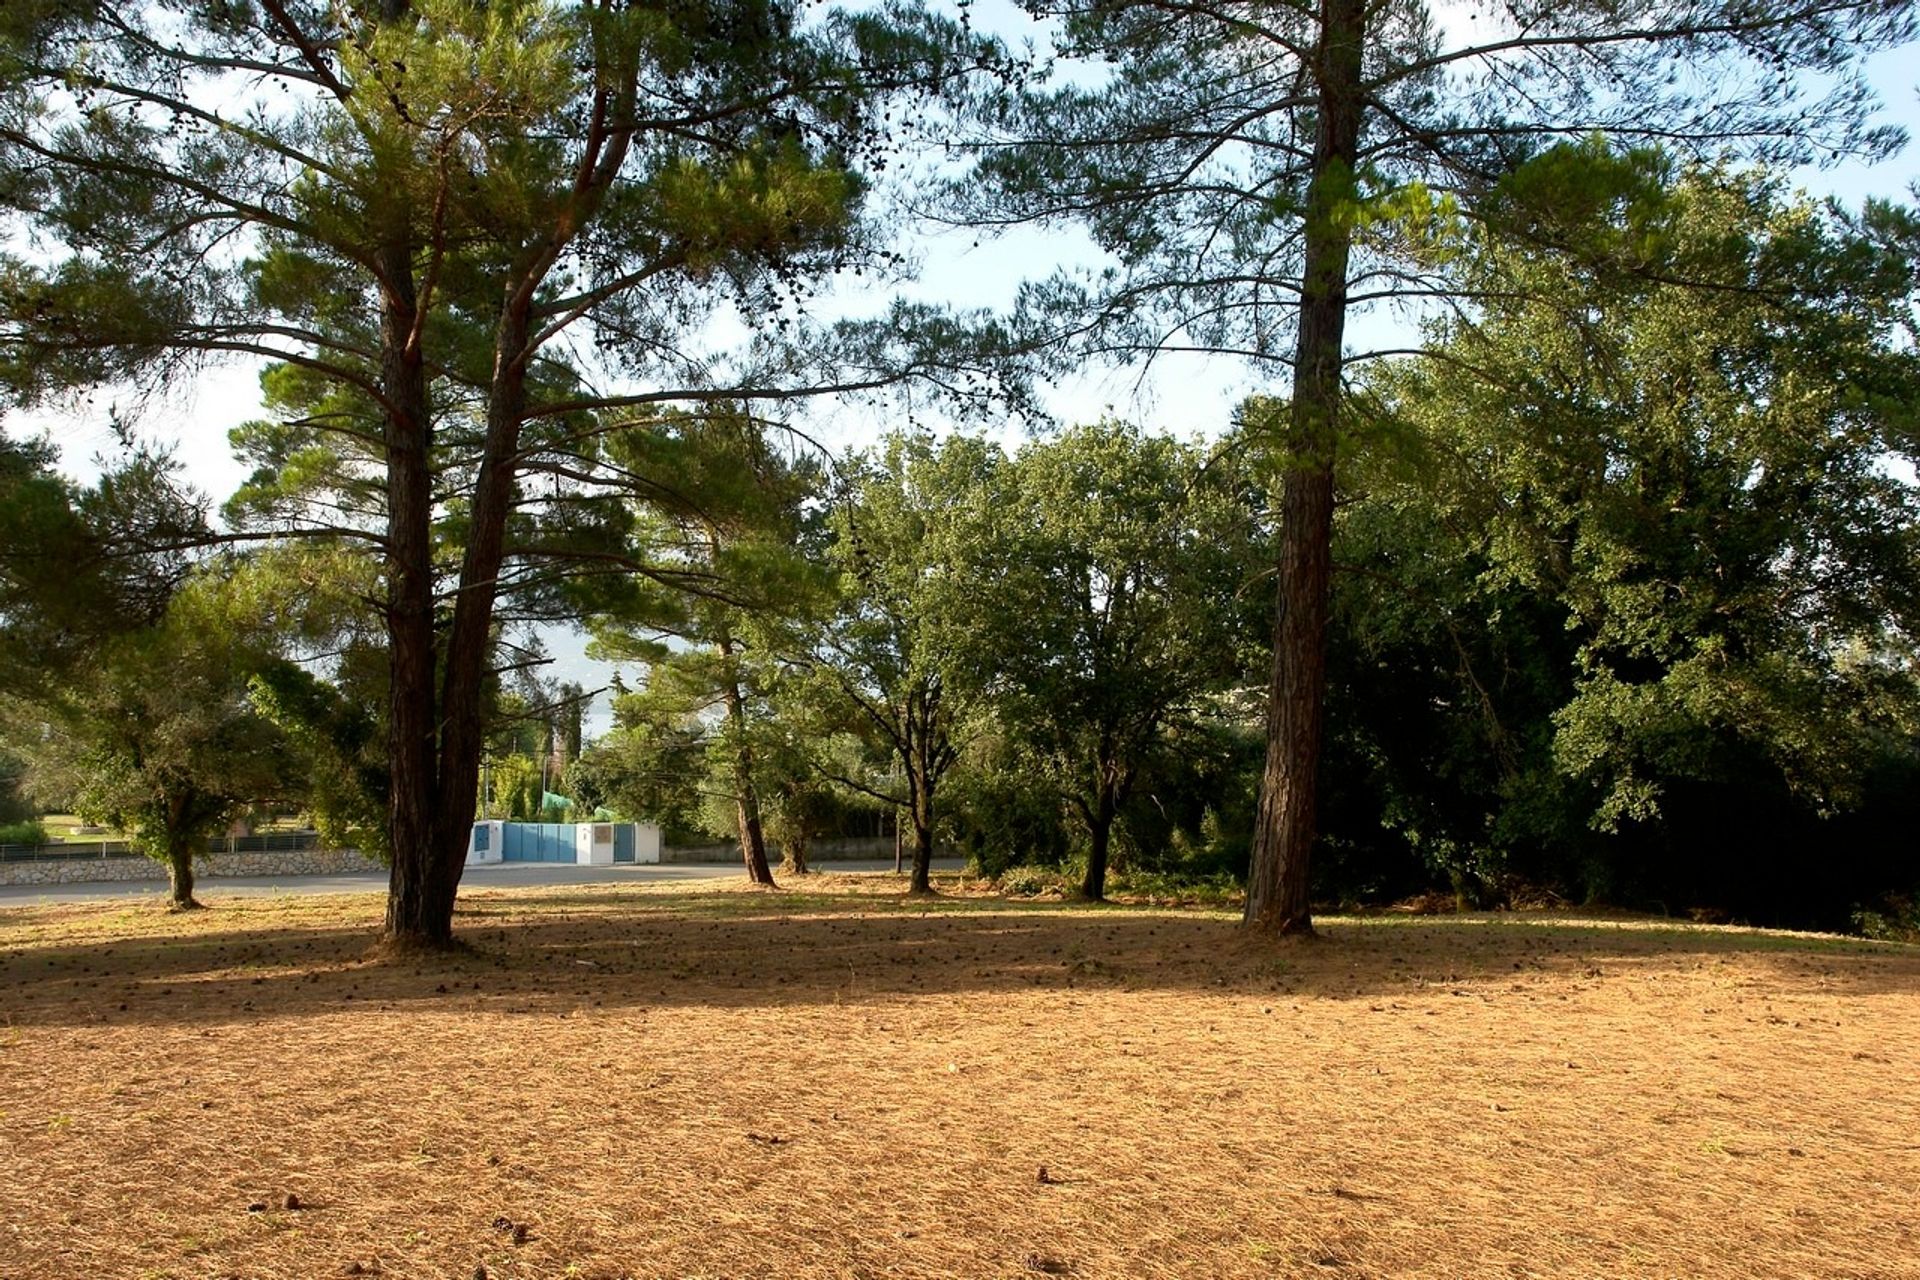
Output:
x,y
1037,882
1895,918
1174,888
23,833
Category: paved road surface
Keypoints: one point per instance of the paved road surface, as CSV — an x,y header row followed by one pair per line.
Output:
x,y
500,876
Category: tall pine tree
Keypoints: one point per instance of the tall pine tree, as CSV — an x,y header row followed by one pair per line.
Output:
x,y
1259,171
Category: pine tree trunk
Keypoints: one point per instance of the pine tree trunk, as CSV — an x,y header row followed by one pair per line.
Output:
x,y
1286,823
419,905
469,645
753,837
753,847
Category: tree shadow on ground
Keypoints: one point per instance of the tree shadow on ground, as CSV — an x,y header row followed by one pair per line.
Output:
x,y
546,953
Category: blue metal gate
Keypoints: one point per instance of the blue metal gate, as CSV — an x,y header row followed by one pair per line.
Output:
x,y
624,849
537,842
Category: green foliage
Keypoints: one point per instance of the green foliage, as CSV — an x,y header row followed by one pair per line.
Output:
x,y
1254,174
160,740
25,833
78,564
1023,881
1631,607
709,743
1179,888
339,741
1185,146
463,234
136,712
331,710
14,805
516,788
1111,605
1895,919
1001,812
890,667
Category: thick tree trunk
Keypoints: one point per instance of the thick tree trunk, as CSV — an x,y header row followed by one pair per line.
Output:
x,y
1093,885
1286,823
469,651
419,905
920,807
180,878
922,881
438,744
794,851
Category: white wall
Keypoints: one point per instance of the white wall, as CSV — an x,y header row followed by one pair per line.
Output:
x,y
496,844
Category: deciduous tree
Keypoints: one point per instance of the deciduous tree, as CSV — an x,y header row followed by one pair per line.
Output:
x,y
159,738
1643,562
1111,589
894,652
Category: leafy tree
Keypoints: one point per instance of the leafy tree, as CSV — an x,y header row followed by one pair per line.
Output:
x,y
160,739
1112,589
1000,810
1643,559
647,769
571,729
892,658
516,788
725,519
327,693
1259,171
800,805
123,678
14,805
464,234
333,732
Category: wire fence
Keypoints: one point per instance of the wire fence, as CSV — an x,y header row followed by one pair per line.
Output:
x,y
70,850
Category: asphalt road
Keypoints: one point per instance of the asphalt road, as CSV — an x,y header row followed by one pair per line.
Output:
x,y
499,876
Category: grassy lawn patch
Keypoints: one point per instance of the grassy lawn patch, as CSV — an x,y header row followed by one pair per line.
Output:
x,y
836,1082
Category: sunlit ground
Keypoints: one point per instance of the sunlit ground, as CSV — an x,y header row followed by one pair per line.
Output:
x,y
835,1082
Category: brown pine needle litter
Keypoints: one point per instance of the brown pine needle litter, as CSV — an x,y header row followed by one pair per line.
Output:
x,y
836,1082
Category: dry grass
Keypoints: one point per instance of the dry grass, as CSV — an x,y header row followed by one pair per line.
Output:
x,y
836,1083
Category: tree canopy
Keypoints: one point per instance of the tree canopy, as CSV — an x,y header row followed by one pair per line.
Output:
x,y
1111,590
1642,547
1617,527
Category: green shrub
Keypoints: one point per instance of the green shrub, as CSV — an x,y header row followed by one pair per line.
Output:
x,y
1178,888
1896,918
1003,817
23,833
1037,882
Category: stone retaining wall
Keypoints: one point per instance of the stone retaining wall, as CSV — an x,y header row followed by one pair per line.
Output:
x,y
306,862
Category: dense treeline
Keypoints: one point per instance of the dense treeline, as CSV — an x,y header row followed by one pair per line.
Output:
x,y
1627,581
1605,587
1628,574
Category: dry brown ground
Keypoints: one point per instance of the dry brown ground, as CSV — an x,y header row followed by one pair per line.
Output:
x,y
723,1084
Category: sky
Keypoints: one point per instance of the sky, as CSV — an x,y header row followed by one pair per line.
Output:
x,y
1185,395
